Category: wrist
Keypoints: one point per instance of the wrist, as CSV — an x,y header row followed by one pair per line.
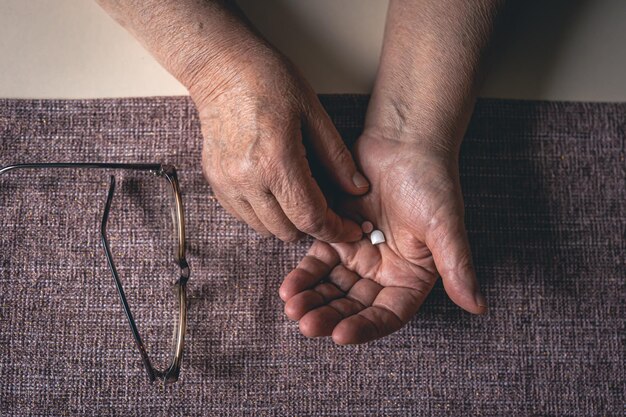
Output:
x,y
430,70
194,40
429,126
206,69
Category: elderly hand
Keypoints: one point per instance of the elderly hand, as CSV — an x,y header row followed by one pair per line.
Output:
x,y
417,115
357,292
261,124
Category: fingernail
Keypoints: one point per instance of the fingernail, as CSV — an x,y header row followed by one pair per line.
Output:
x,y
359,180
480,299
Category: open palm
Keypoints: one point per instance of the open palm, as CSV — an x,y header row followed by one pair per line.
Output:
x,y
357,292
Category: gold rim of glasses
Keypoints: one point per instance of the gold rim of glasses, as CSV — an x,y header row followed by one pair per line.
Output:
x,y
171,374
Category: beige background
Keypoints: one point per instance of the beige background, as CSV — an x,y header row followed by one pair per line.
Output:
x,y
559,49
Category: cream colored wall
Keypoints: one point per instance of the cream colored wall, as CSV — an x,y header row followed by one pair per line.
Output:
x,y
71,49
559,49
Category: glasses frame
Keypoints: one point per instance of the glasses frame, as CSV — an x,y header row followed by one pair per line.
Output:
x,y
171,374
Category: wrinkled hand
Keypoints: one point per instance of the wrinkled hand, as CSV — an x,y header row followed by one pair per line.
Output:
x,y
260,120
357,292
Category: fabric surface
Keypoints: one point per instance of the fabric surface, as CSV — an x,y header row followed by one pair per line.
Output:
x,y
544,187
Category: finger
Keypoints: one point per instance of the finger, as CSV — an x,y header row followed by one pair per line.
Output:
x,y
227,206
451,251
331,151
323,320
343,278
274,219
402,302
391,308
316,265
346,306
370,324
242,211
302,303
364,291
358,209
249,216
361,257
304,204
328,291
351,322
320,322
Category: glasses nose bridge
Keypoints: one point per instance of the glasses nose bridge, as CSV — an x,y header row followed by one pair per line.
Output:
x,y
184,271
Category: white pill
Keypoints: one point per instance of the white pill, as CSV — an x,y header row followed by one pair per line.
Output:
x,y
377,237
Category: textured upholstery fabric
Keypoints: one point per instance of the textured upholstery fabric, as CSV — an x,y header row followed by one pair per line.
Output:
x,y
545,191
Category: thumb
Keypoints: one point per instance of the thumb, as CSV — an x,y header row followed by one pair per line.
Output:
x,y
330,150
451,251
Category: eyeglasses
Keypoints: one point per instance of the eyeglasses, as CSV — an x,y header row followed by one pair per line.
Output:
x,y
168,172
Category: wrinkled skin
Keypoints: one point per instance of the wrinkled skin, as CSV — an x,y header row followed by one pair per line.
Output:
x,y
263,125
357,292
261,120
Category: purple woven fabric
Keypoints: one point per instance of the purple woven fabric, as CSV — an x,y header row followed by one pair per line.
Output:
x,y
545,191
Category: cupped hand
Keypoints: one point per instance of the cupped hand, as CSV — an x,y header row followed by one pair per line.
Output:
x,y
261,122
358,292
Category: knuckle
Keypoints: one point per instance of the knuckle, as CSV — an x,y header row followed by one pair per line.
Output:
x,y
231,168
236,177
282,228
238,172
215,175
